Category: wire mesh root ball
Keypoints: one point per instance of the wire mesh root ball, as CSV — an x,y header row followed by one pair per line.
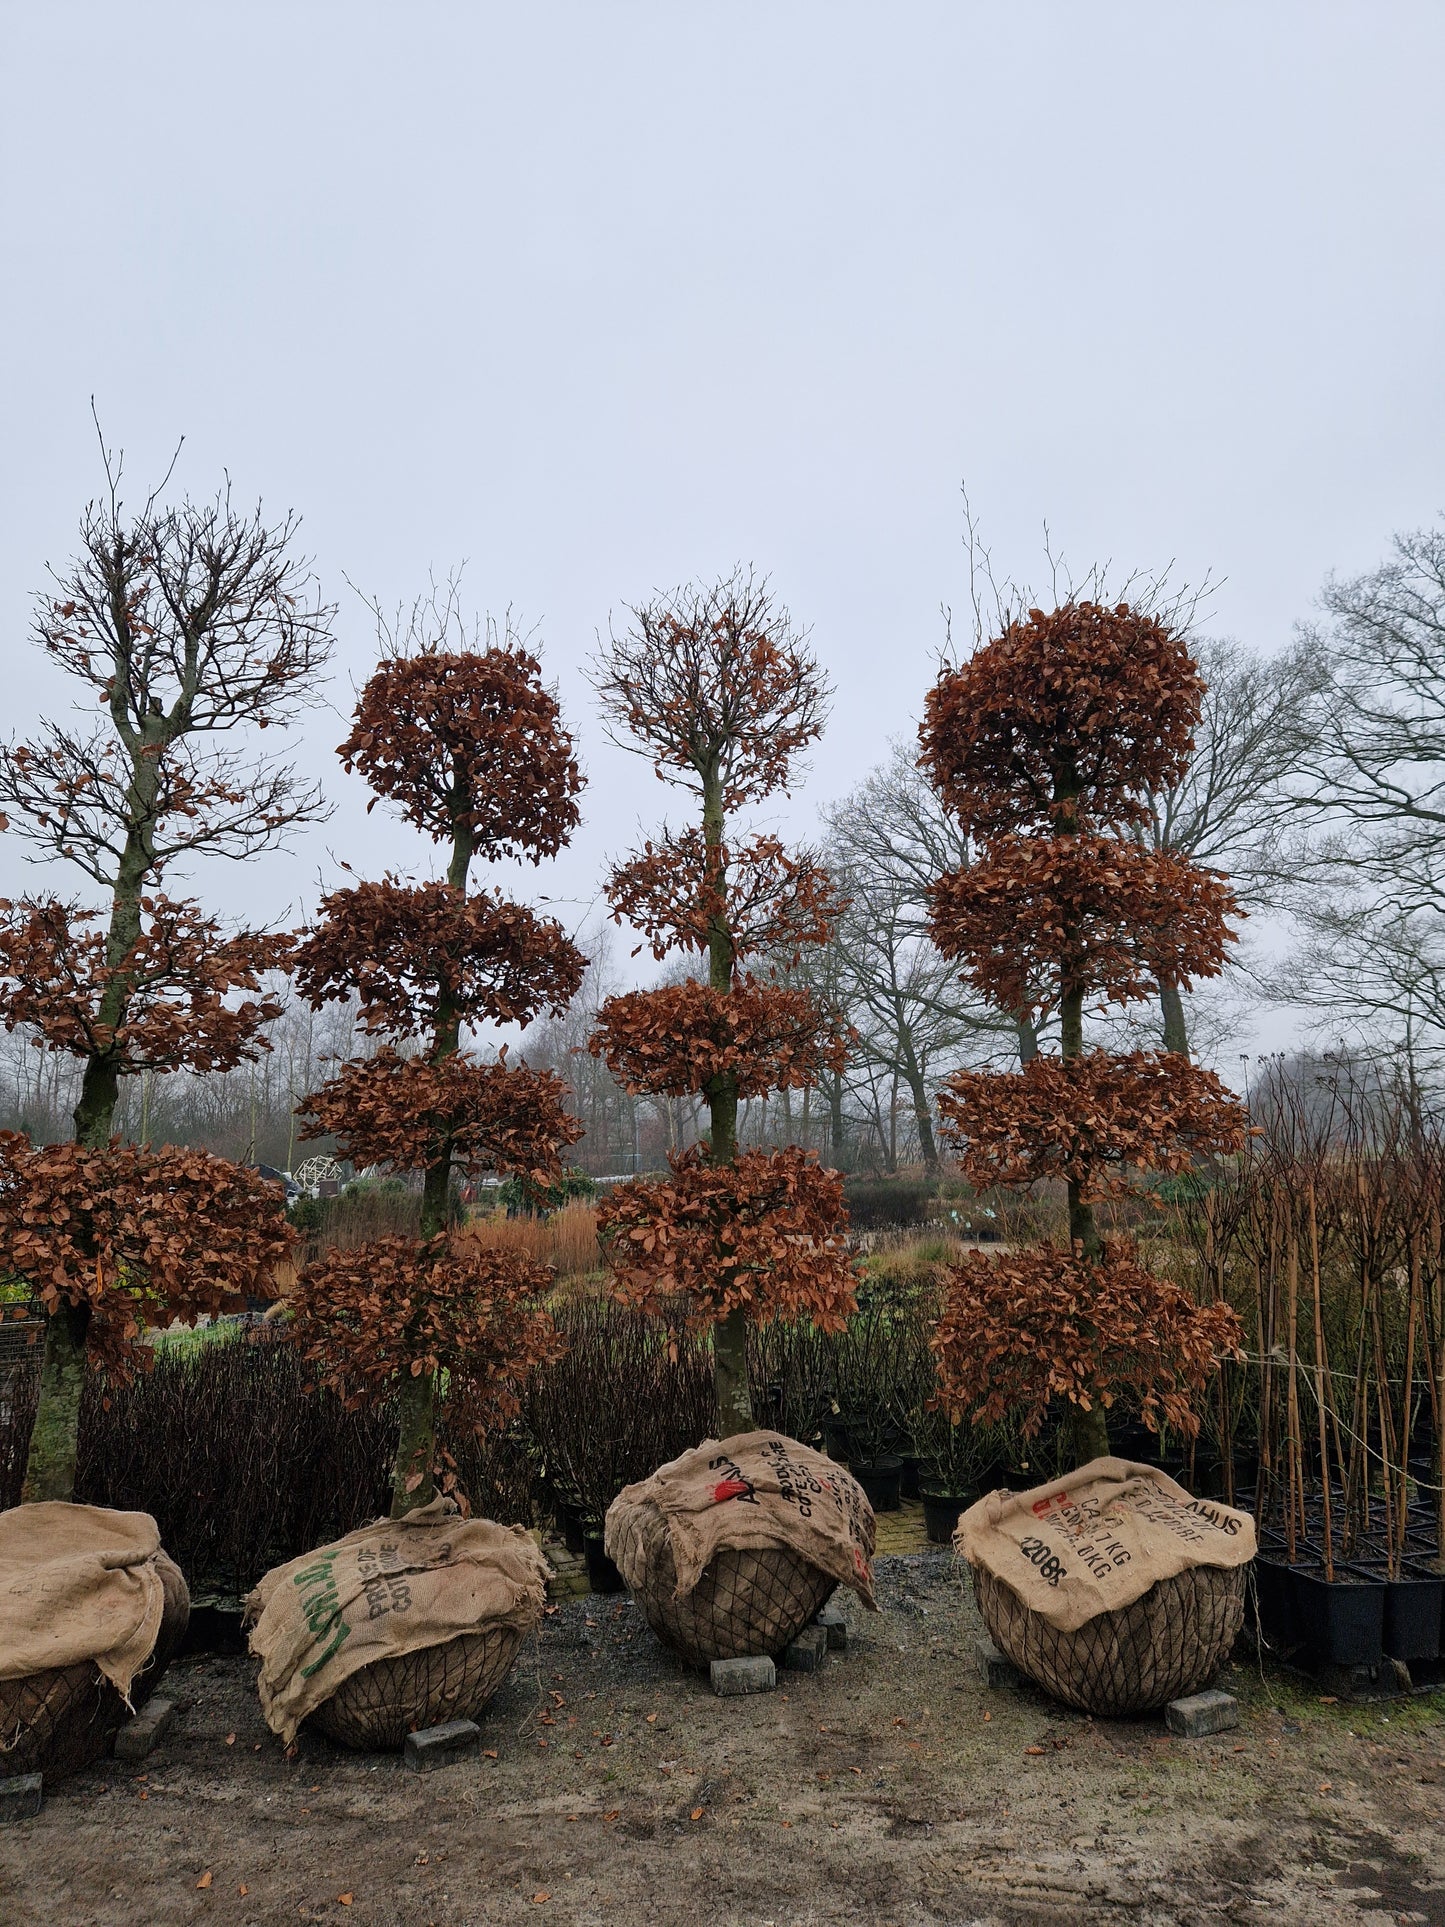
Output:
x,y
58,1721
747,1603
378,1705
1168,1642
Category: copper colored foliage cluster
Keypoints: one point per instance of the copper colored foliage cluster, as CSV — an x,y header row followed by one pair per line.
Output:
x,y
1030,1327
681,1038
411,1111
1093,701
469,740
1092,913
140,1234
760,1235
674,891
178,982
403,949
1088,1119
393,1308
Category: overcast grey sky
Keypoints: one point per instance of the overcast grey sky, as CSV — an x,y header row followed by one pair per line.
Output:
x,y
602,296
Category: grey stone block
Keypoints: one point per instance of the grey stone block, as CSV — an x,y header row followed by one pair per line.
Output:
x,y
20,1797
434,1746
835,1626
808,1650
1202,1714
144,1731
994,1669
731,1677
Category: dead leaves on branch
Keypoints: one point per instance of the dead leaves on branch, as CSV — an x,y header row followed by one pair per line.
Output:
x,y
1089,1118
678,890
1030,1328
143,1236
1090,704
407,949
684,1038
469,740
398,1307
171,992
759,1235
411,1112
1093,913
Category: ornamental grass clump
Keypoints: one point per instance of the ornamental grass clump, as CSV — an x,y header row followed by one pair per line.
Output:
x,y
720,691
469,745
1046,746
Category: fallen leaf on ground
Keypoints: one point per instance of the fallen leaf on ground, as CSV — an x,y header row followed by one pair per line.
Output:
x,y
1033,1749
345,1900
696,1813
537,1899
613,1815
243,1890
205,1879
230,1739
489,1753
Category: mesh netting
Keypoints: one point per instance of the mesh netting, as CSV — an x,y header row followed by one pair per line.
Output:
x,y
60,1720
1167,1643
747,1603
380,1704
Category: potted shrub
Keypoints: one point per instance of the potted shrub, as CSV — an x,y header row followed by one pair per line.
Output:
x,y
187,624
467,743
719,691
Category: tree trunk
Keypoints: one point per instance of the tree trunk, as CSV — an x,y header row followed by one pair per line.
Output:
x,y
50,1466
922,1111
729,1335
1176,1031
837,1141
1028,1040
1088,1431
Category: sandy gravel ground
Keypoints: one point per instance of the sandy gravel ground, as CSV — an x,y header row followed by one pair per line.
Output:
x,y
892,1787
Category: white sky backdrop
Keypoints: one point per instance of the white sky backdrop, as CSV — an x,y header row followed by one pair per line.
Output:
x,y
600,297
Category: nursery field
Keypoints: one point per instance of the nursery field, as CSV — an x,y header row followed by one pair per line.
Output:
x,y
892,1787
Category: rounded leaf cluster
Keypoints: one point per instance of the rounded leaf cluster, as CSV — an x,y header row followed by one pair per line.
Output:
x,y
411,1112
1087,1118
408,951
144,1236
1039,1327
683,1038
178,980
677,890
469,739
1037,917
394,1308
758,1235
1084,710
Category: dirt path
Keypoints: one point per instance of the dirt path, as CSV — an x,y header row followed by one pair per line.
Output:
x,y
890,1788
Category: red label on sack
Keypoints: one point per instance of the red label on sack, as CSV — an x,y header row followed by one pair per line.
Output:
x,y
729,1489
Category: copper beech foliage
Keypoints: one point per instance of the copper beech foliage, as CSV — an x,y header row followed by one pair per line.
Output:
x,y
139,1234
1039,916
411,1111
675,890
403,949
469,740
395,1308
1030,1327
1088,1119
181,978
681,1038
1086,709
759,1235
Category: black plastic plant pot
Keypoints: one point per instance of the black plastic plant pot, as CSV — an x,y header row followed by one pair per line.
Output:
x,y
1340,1620
1275,1592
881,1480
1412,1614
569,1519
940,1514
908,1482
1024,1477
602,1575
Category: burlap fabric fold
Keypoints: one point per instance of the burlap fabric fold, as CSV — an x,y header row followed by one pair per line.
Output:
x,y
731,1549
1096,1539
393,1588
78,1583
1111,1587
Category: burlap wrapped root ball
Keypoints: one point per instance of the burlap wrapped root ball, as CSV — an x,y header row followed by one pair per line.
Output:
x,y
1111,1588
731,1549
90,1591
403,1624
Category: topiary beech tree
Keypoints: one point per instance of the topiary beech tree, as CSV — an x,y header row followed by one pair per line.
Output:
x,y
187,624
717,687
468,744
1046,745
